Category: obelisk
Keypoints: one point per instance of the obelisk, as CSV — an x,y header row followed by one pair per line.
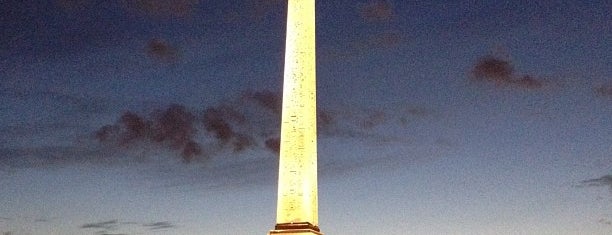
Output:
x,y
297,206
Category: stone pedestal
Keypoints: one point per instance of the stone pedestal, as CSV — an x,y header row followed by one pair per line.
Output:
x,y
295,232
295,229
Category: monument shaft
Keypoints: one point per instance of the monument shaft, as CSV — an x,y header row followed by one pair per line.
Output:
x,y
297,208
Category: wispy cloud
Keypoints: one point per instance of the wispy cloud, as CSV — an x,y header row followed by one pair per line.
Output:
x,y
45,155
111,226
605,221
108,225
159,225
604,181
604,90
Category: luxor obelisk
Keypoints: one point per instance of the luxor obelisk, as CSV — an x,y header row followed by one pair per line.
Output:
x,y
297,206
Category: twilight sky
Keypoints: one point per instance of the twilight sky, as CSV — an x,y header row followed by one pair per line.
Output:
x,y
435,117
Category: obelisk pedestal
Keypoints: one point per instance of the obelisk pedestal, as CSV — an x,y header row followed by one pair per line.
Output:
x,y
297,206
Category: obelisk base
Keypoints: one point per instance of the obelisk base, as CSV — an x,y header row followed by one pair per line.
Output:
x,y
295,232
295,229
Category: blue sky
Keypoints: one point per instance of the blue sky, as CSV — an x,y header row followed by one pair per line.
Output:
x,y
140,117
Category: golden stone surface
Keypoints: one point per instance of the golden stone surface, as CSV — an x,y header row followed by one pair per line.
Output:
x,y
297,182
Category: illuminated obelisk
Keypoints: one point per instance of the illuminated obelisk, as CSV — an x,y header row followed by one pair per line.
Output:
x,y
297,208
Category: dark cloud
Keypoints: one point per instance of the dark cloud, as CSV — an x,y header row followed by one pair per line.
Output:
x,y
173,127
605,221
219,121
135,127
490,68
604,181
159,225
129,128
251,120
493,69
604,90
267,99
215,122
325,119
242,142
235,125
161,50
107,225
107,133
191,150
273,144
377,11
